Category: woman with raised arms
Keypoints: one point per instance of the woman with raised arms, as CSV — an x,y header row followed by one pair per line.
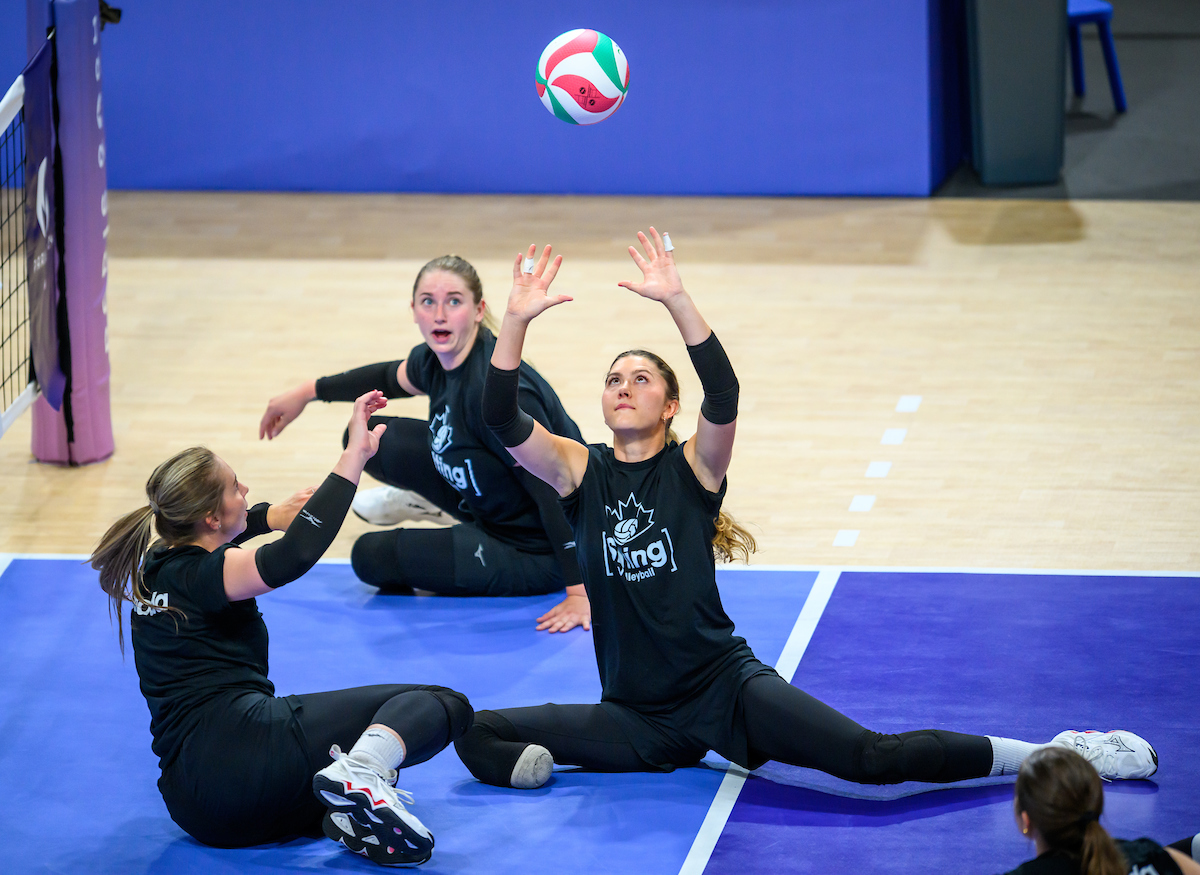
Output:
x,y
646,512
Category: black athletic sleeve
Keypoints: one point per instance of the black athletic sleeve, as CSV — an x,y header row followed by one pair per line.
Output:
x,y
558,530
309,535
349,385
501,412
718,380
256,523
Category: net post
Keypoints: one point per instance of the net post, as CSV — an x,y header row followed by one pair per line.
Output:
x,y
82,431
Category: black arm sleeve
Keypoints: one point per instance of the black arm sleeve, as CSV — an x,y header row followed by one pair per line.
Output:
x,y
718,379
256,523
501,413
309,535
349,385
558,530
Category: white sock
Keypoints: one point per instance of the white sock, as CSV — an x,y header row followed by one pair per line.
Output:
x,y
379,748
1009,753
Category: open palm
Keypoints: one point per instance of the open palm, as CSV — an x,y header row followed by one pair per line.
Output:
x,y
660,278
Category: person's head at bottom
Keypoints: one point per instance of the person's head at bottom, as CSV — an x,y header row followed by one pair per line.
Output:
x,y
1058,802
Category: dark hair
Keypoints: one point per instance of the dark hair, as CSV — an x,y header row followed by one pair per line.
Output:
x,y
732,540
462,269
182,491
1062,794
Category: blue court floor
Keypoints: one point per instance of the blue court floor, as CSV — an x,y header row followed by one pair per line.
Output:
x,y
1015,653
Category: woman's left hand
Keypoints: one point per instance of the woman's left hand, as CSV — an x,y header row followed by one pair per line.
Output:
x,y
574,610
530,293
660,279
280,516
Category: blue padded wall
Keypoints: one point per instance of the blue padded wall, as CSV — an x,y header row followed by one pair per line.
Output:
x,y
820,97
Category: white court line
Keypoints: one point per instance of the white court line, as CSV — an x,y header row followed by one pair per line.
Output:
x,y
908,404
883,569
846,538
862,503
5,560
731,785
894,435
878,469
934,569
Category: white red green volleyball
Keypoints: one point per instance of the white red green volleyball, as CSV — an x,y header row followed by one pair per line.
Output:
x,y
582,77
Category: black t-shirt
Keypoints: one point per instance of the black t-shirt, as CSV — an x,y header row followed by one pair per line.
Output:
x,y
213,650
469,456
1142,856
643,533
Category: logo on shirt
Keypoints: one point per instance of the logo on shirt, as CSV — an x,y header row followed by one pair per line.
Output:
x,y
157,604
312,519
634,523
442,431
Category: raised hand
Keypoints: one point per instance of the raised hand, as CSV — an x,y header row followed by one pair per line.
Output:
x,y
365,440
660,278
282,409
530,293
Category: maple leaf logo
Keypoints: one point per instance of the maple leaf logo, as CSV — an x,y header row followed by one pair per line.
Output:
x,y
632,519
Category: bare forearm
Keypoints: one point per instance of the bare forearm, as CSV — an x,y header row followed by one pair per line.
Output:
x,y
692,326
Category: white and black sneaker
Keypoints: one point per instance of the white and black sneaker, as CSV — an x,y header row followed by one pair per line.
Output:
x,y
1116,755
390,506
366,813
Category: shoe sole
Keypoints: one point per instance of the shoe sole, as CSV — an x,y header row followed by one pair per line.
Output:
x,y
375,833
533,768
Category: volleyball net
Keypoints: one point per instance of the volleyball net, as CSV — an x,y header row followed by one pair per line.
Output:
x,y
17,383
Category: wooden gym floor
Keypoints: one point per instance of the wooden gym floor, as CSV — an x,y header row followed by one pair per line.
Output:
x,y
1055,347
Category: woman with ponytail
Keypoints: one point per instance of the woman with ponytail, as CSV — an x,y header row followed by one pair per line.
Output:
x,y
1058,802
646,512
241,766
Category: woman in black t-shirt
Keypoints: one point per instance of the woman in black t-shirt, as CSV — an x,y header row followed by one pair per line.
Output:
x,y
239,765
646,512
511,538
1058,802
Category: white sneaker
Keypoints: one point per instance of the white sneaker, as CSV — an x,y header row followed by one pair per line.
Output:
x,y
1115,755
366,814
532,769
389,506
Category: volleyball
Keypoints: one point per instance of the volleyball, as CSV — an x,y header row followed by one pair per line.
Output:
x,y
625,531
582,77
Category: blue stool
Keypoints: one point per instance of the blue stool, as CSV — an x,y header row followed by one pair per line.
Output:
x,y
1099,13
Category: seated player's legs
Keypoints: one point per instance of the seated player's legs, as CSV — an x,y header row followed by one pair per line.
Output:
x,y
501,747
427,718
403,461
462,560
786,724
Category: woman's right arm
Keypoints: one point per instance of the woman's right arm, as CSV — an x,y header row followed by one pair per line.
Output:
x,y
391,378
554,459
250,573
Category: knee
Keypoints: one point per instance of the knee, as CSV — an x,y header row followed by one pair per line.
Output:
x,y
892,759
458,709
373,559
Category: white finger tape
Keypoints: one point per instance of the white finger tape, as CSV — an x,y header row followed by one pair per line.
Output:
x,y
527,267
667,247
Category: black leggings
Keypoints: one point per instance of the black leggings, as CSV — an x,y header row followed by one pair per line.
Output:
x,y
244,774
782,723
461,560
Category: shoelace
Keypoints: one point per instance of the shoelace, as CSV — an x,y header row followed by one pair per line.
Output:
x,y
389,777
1102,761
